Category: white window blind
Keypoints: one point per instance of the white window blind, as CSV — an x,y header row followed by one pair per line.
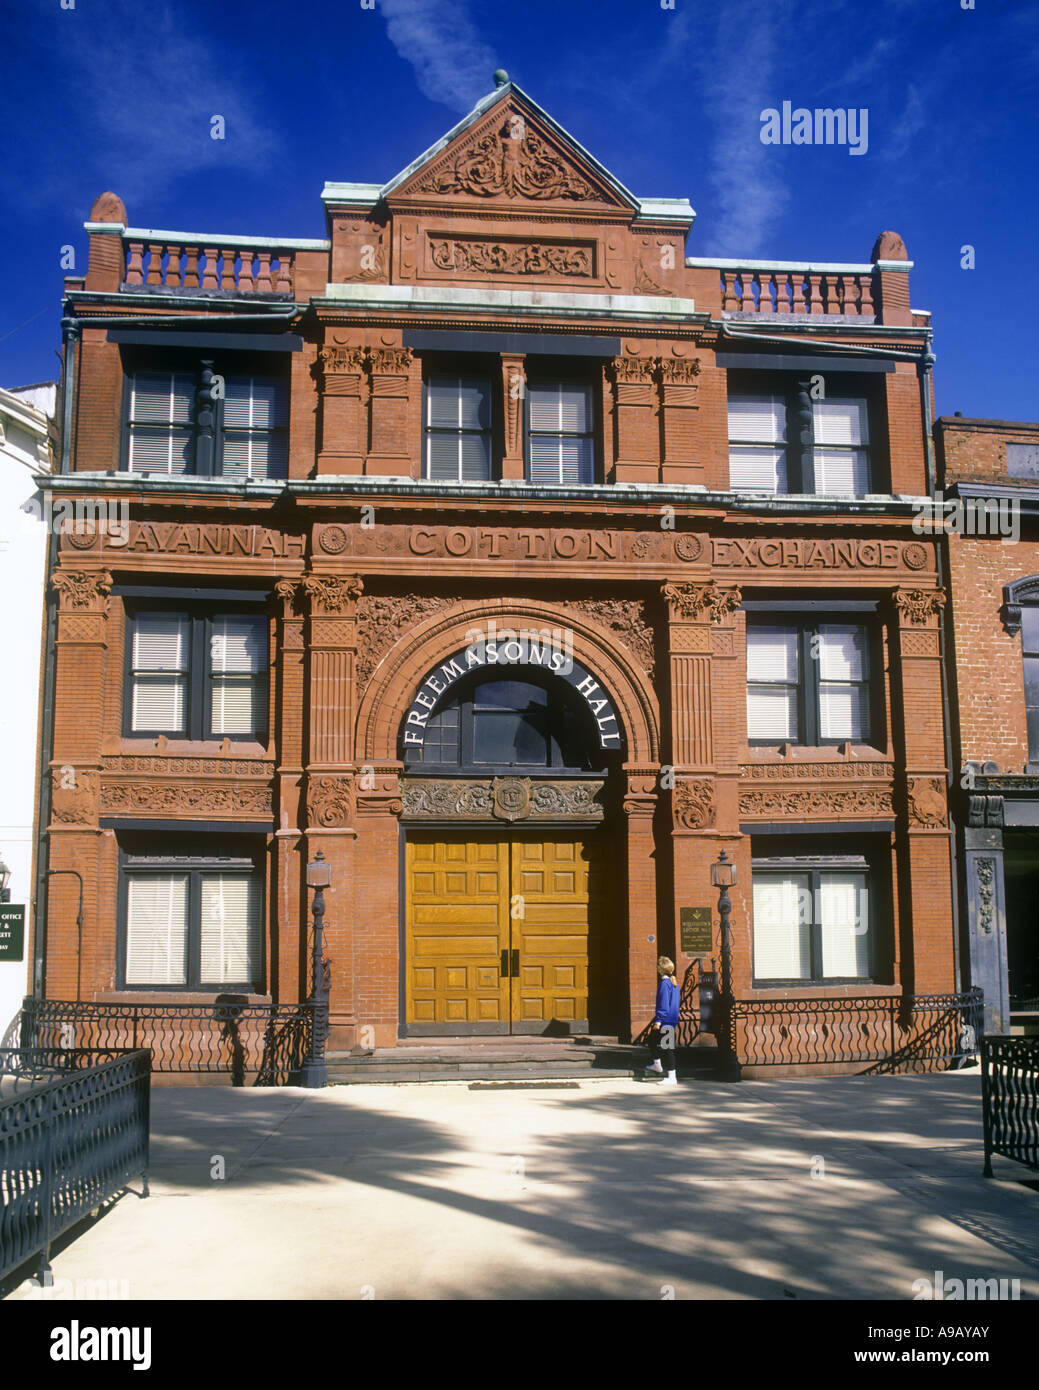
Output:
x,y
157,929
841,456
162,412
782,927
238,657
757,438
458,429
757,419
843,912
561,446
160,662
772,678
230,929
843,682
256,416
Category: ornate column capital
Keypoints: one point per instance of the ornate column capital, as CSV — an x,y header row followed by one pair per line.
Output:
x,y
83,591
701,602
331,595
918,606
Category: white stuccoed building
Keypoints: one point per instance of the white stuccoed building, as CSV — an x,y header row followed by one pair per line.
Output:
x,y
26,447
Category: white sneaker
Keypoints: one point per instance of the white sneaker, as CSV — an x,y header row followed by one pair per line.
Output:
x,y
654,1068
671,1079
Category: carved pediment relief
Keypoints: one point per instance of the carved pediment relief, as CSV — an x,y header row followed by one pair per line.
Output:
x,y
511,157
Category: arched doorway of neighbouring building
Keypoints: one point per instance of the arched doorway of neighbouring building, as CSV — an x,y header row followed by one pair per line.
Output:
x,y
512,907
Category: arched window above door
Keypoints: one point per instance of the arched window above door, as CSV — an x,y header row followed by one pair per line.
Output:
x,y
520,720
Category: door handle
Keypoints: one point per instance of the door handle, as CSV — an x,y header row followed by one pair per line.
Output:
x,y
505,963
515,963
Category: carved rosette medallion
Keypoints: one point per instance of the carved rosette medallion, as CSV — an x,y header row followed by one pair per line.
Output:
x,y
688,548
510,798
701,602
693,803
926,800
919,605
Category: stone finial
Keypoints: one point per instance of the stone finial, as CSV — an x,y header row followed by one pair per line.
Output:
x,y
889,246
501,77
108,208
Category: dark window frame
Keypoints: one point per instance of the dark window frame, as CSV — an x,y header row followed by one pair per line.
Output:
x,y
199,683
801,444
813,864
808,698
204,462
195,864
476,370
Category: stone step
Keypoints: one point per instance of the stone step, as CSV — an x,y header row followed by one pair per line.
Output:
x,y
483,1063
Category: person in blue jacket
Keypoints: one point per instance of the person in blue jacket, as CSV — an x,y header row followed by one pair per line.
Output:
x,y
665,1023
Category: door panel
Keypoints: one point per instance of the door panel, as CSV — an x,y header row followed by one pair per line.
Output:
x,y
457,927
550,921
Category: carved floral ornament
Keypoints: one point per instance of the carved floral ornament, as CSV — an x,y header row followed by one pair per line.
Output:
x,y
330,801
693,803
465,255
700,602
509,161
331,593
383,361
672,371
83,590
918,605
501,798
926,800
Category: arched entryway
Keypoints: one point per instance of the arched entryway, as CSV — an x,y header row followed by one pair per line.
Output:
x,y
512,753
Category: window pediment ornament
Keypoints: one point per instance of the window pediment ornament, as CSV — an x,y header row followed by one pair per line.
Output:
x,y
509,161
1015,595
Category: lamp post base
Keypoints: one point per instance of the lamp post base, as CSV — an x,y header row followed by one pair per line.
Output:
x,y
313,1074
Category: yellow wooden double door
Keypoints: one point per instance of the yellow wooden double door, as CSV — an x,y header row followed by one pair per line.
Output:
x,y
497,936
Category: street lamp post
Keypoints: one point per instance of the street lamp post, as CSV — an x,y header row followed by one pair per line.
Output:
x,y
723,877
314,1071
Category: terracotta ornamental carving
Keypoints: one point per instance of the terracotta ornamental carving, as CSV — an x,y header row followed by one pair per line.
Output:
x,y
917,605
511,162
194,799
330,801
926,798
467,256
82,590
693,803
627,618
502,798
332,593
382,620
702,602
817,803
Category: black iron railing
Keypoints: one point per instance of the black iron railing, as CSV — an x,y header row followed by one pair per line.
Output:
x,y
73,1133
1010,1098
923,1032
258,1044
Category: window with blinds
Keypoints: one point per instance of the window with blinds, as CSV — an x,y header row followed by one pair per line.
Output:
x,y
458,429
808,683
194,927
237,669
199,675
560,435
159,673
812,925
255,428
161,422
757,444
1030,663
841,446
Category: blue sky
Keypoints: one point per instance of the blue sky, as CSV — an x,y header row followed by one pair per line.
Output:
x,y
119,94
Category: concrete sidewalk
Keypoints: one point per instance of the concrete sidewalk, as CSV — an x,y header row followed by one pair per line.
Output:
x,y
832,1188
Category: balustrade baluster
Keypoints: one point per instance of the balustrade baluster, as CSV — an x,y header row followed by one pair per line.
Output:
x,y
245,274
135,264
154,263
283,284
782,280
173,268
729,297
747,282
865,294
263,272
797,286
765,297
815,303
209,280
191,267
227,278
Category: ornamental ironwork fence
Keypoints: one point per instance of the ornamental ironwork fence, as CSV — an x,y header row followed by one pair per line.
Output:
x,y
257,1044
73,1134
1010,1098
923,1032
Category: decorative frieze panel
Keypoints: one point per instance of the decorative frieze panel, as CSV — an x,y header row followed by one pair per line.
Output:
x,y
194,800
816,803
693,803
382,620
626,618
138,764
925,798
502,798
797,772
469,257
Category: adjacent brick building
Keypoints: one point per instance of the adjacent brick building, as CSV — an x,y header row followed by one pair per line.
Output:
x,y
989,474
521,564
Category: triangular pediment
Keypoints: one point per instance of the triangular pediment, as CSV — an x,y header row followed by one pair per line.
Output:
x,y
508,150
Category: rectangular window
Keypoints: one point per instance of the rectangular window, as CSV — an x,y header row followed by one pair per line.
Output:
x,y
244,425
196,926
812,923
787,441
560,434
458,429
808,683
200,676
1030,662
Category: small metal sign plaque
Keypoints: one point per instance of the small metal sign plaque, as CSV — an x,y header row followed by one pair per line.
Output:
x,y
12,931
696,931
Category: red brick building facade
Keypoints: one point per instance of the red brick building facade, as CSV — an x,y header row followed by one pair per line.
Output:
x,y
989,476
521,564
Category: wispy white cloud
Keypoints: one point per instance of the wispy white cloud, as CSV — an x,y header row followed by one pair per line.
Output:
x,y
452,63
